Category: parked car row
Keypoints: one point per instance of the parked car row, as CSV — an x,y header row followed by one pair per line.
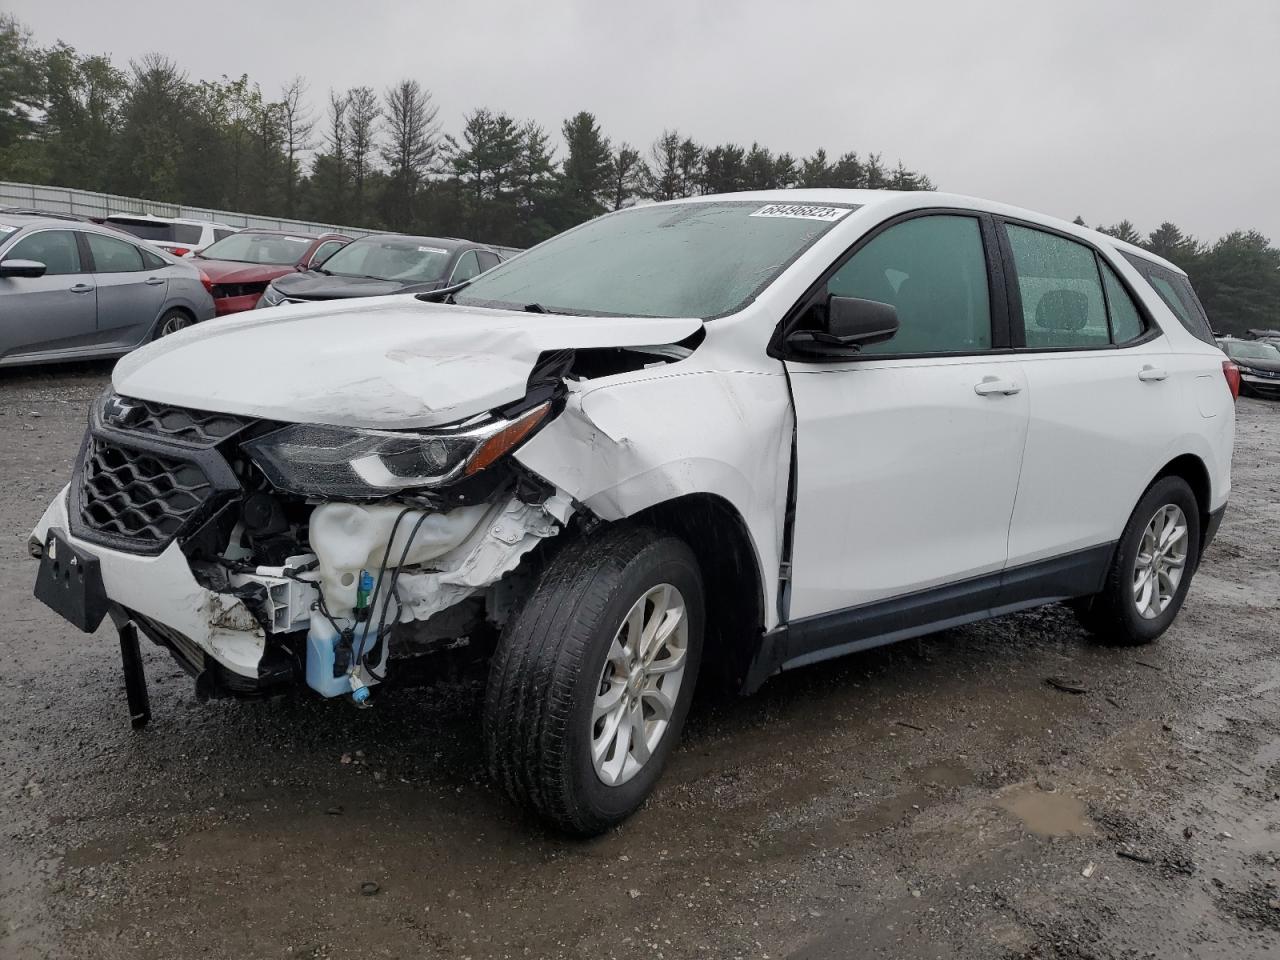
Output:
x,y
71,288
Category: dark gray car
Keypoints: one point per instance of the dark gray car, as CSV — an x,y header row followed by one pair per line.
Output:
x,y
386,263
77,291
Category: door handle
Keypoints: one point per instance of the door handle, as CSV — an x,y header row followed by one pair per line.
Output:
x,y
1150,374
154,281
82,288
989,386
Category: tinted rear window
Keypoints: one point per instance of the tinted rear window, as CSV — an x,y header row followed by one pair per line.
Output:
x,y
186,233
145,229
1176,292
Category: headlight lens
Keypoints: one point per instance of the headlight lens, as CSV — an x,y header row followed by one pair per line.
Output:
x,y
272,297
312,460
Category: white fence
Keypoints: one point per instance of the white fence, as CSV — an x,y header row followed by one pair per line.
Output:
x,y
83,203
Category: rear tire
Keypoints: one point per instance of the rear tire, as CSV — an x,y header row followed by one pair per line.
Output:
x,y
564,672
173,321
1151,571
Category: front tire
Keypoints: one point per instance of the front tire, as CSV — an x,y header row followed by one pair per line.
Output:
x,y
1152,568
581,711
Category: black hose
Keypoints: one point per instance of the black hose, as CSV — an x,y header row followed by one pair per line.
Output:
x,y
358,655
391,591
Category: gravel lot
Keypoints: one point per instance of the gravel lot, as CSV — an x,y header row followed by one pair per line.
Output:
x,y
933,799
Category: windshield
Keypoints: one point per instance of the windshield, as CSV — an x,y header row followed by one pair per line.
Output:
x,y
1252,351
671,260
408,259
273,248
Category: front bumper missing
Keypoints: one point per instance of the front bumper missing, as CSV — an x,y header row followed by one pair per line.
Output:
x,y
161,590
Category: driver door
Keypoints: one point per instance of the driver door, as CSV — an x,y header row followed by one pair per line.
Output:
x,y
52,312
908,456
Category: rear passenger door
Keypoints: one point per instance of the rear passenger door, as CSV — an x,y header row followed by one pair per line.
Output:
x,y
907,456
1103,410
131,289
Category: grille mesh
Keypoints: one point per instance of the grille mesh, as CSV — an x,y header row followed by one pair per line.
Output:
x,y
188,426
142,496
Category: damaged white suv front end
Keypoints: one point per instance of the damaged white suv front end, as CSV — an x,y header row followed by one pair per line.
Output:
x,y
262,550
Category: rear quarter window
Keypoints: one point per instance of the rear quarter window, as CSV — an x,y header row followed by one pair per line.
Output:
x,y
1176,292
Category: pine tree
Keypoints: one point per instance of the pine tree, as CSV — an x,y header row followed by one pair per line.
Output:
x,y
1124,230
587,172
412,143
627,177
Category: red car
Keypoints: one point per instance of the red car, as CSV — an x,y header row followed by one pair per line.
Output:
x,y
240,266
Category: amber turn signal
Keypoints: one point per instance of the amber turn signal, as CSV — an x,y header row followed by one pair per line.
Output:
x,y
506,439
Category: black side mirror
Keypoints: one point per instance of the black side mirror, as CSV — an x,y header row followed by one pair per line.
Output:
x,y
22,268
848,324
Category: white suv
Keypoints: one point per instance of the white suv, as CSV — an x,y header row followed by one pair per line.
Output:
x,y
172,234
733,434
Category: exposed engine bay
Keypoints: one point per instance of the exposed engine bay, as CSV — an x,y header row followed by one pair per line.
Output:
x,y
262,553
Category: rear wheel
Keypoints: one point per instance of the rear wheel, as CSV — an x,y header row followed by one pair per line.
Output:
x,y
592,680
1152,568
172,322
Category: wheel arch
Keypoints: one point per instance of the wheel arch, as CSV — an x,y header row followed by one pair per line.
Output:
x,y
732,577
167,309
1193,470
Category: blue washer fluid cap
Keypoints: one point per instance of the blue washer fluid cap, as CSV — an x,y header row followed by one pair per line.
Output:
x,y
363,590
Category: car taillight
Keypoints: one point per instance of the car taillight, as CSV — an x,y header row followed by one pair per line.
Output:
x,y
1232,373
208,283
181,251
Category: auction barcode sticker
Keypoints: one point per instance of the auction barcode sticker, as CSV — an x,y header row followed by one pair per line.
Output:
x,y
432,250
802,211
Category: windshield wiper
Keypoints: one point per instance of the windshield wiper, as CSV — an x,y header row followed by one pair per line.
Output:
x,y
536,308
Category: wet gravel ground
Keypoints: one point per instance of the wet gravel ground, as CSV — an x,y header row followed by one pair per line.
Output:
x,y
934,799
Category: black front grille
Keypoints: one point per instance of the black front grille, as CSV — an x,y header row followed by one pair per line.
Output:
x,y
149,473
221,290
141,496
178,423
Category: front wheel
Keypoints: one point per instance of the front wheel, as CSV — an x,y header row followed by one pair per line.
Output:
x,y
1152,568
592,679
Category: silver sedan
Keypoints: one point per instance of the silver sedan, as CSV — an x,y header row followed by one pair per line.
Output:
x,y
71,290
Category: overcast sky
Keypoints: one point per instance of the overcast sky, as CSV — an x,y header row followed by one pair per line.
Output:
x,y
1146,109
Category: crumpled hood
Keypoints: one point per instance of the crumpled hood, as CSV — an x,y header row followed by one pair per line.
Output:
x,y
230,271
384,362
313,285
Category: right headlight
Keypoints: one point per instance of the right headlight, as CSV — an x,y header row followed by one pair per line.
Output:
x,y
271,297
312,460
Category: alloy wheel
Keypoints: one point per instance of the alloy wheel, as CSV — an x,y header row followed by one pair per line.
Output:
x,y
1161,561
173,323
639,684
